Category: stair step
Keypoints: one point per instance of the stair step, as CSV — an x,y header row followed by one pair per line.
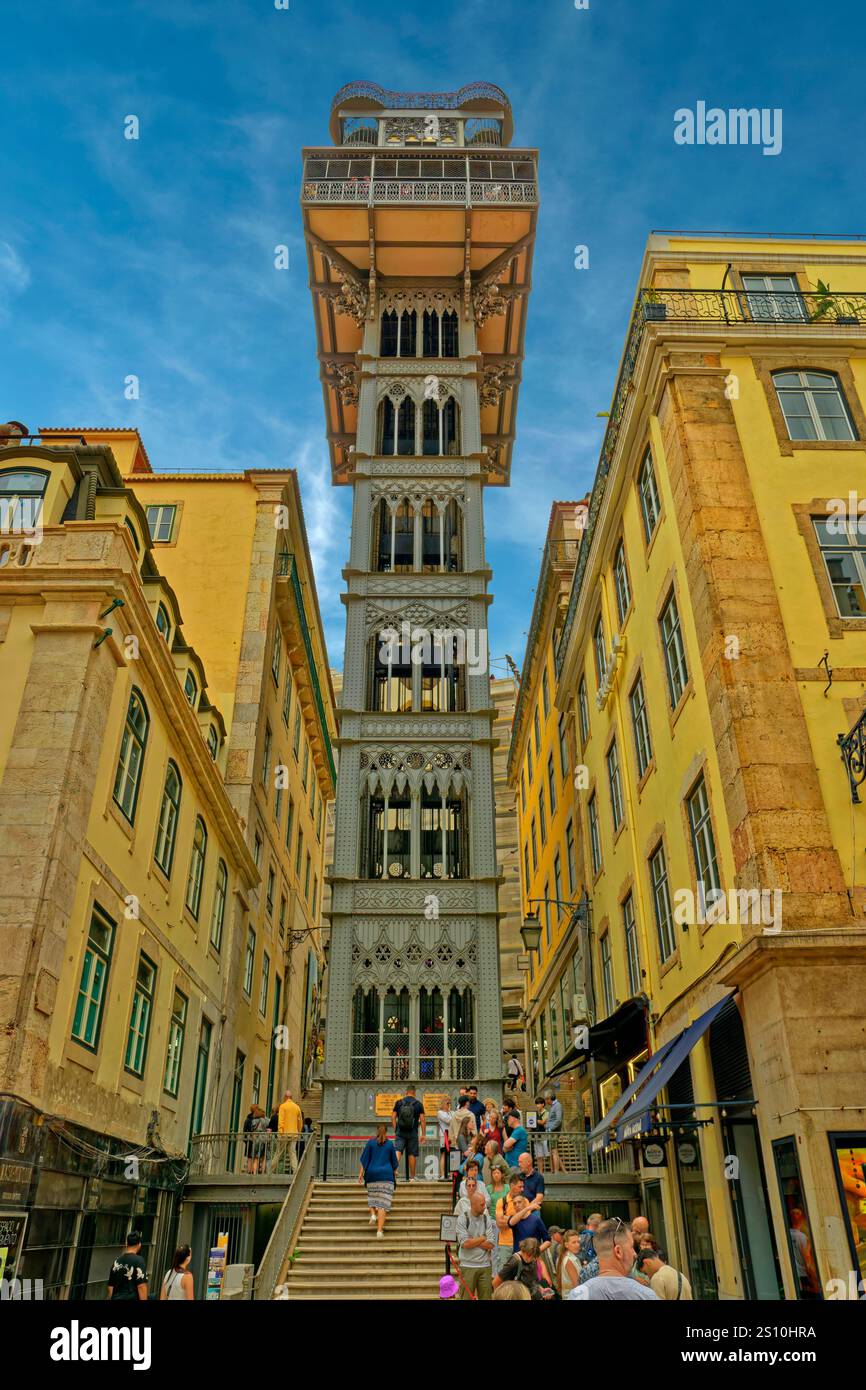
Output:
x,y
380,1296
357,1278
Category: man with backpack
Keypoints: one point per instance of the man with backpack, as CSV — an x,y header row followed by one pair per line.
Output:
x,y
408,1115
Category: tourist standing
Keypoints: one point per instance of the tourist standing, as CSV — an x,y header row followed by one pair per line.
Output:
x,y
477,1107
493,1159
514,1072
408,1115
553,1125
289,1125
614,1248
666,1282
177,1285
525,1267
463,1126
379,1164
127,1279
444,1116
476,1240
533,1181
587,1237
517,1142
568,1265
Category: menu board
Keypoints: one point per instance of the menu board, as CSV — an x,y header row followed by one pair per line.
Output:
x,y
431,1100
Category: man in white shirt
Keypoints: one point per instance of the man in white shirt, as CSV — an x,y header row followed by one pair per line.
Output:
x,y
665,1281
614,1248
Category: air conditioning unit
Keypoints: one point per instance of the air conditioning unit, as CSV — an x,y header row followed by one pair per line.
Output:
x,y
579,1009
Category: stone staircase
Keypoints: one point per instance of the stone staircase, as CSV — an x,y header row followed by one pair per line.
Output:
x,y
339,1256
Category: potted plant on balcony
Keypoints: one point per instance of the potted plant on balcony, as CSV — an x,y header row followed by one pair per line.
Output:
x,y
654,311
825,300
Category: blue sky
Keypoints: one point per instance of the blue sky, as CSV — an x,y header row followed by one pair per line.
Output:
x,y
155,257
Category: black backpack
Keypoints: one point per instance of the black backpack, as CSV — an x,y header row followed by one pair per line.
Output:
x,y
406,1116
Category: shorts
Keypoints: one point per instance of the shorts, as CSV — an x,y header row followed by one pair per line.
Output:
x,y
407,1143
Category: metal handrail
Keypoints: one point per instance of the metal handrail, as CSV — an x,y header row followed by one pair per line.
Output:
x,y
277,1248
252,1153
733,308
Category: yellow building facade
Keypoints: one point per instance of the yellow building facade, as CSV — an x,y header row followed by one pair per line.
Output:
x,y
129,881
540,769
712,659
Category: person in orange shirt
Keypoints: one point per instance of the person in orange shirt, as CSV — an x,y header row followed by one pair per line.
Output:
x,y
290,1123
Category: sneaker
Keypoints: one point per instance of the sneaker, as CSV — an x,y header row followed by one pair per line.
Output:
x,y
379,1235
372,1218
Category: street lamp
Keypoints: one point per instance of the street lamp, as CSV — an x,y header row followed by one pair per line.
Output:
x,y
530,932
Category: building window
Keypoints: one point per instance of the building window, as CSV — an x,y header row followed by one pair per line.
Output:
x,y
774,297
545,692
277,655
440,427
190,689
632,954
320,818
529,767
844,553
640,726
290,821
266,758
257,1086
282,916
599,651
569,858
160,523
621,584
523,790
307,866
264,984
557,884
219,905
213,741
662,903
813,405
554,1027
614,781
296,735
87,1020
397,428
21,494
249,961
129,766
583,711
534,839
269,898
542,816
399,333
703,844
176,1033
298,852
607,973
536,728
551,784
196,867
315,902
675,652
594,834
257,849
305,773
132,531
139,1019
650,506
287,696
163,623
278,795
547,931
526,874
166,834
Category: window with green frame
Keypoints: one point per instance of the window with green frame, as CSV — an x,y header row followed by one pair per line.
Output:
x,y
127,778
196,867
139,1018
176,1034
219,905
87,1020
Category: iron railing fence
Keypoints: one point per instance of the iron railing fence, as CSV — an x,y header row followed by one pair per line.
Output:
x,y
574,1158
454,192
392,1059
340,1155
258,1154
734,308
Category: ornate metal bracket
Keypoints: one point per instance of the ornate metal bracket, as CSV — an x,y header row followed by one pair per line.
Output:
x,y
852,746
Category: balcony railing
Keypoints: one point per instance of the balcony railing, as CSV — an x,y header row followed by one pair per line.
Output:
x,y
392,1060
456,192
575,1158
257,1155
340,1154
790,310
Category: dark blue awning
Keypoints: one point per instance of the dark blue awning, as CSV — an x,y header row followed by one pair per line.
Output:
x,y
598,1138
636,1118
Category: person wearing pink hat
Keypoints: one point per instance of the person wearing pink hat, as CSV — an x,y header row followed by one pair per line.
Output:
x,y
448,1287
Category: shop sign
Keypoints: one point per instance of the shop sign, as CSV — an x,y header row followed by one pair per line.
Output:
x,y
687,1154
14,1181
654,1154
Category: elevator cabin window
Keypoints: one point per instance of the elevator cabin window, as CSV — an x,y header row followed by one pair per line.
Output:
x,y
399,334
439,427
405,426
396,544
442,849
439,337
442,678
389,836
392,676
440,537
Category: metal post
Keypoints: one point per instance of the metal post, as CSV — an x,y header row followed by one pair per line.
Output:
x,y
325,1147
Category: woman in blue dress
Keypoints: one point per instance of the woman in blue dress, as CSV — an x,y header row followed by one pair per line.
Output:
x,y
379,1163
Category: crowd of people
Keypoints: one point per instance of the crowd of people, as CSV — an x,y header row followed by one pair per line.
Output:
x,y
503,1249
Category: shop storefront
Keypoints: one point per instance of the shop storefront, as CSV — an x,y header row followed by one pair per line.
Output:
x,y
68,1197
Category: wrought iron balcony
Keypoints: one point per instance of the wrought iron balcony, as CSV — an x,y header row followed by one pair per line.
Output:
x,y
790,311
852,746
420,177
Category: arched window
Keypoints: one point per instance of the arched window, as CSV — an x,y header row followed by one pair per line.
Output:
x,y
439,334
196,867
132,531
439,427
129,764
395,538
443,837
388,837
404,419
163,622
213,741
21,494
219,905
166,833
814,405
391,686
399,335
